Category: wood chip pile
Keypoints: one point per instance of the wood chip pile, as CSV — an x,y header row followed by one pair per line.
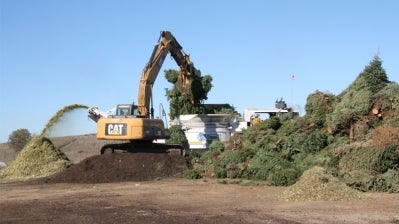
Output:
x,y
316,185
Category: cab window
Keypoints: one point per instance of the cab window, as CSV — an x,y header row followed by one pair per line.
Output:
x,y
123,112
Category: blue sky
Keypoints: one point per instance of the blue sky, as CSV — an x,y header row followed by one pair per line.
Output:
x,y
54,53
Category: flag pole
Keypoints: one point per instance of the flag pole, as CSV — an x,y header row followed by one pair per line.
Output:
x,y
292,78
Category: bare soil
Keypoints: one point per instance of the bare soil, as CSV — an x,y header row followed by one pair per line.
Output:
x,y
178,200
148,188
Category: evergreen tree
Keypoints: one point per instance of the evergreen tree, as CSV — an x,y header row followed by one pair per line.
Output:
x,y
375,75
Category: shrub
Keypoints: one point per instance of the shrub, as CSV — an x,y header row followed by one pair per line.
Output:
x,y
290,127
346,112
250,135
318,104
386,182
257,168
373,159
271,123
177,136
232,164
266,140
315,141
304,161
284,176
294,142
204,164
364,181
192,174
216,146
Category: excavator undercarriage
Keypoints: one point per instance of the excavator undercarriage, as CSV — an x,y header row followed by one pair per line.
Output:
x,y
143,146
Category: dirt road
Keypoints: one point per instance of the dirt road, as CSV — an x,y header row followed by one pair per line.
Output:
x,y
177,200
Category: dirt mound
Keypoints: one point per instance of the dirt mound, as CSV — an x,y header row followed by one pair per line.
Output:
x,y
120,167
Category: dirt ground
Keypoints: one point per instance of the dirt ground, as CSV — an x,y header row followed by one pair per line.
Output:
x,y
148,188
178,200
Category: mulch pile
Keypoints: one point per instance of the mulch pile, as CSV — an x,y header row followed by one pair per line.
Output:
x,y
39,158
119,167
316,184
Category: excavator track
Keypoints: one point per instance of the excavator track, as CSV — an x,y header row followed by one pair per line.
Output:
x,y
143,147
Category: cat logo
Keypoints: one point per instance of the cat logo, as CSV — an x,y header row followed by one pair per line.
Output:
x,y
115,129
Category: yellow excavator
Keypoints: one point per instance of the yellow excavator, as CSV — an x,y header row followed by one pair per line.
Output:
x,y
135,125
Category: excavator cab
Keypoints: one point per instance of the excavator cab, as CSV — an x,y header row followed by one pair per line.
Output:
x,y
124,110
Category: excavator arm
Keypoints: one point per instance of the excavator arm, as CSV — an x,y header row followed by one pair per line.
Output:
x,y
166,44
